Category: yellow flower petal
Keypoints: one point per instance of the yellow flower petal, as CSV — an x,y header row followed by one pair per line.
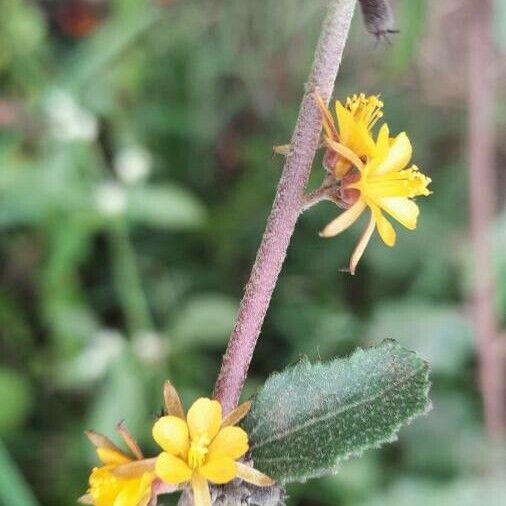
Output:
x,y
385,229
104,487
383,140
145,488
344,151
363,143
171,433
328,122
145,501
344,220
362,244
133,492
398,156
219,470
345,122
204,417
110,456
353,132
405,211
253,476
200,488
230,442
171,469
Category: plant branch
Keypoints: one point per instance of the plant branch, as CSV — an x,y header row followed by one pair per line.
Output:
x,y
315,197
329,190
286,207
482,207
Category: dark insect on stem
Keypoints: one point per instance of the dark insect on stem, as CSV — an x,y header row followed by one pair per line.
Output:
x,y
378,18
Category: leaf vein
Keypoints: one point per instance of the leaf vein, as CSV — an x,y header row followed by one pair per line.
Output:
x,y
313,421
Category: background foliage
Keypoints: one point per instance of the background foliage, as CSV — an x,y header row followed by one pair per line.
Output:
x,y
136,175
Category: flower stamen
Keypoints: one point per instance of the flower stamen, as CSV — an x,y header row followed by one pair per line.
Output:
x,y
198,451
365,110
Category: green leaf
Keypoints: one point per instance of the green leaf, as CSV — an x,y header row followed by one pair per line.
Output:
x,y
121,397
100,52
308,418
13,487
165,206
443,336
425,444
206,319
15,398
486,490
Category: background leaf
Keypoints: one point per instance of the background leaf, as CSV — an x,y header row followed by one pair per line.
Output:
x,y
308,418
461,492
443,336
13,488
122,392
165,206
15,399
206,319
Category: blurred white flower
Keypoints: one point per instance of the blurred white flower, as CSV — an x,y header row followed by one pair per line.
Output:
x,y
111,199
132,165
150,347
93,362
67,120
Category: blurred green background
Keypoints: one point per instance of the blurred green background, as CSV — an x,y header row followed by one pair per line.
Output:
x,y
136,175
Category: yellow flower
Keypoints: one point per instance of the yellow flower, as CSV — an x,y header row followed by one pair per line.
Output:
x,y
382,183
108,485
203,447
355,121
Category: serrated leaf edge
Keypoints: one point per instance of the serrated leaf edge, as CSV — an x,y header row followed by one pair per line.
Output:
x,y
424,365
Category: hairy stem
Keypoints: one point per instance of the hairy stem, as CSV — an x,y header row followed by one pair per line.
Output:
x,y
329,190
315,197
286,207
482,187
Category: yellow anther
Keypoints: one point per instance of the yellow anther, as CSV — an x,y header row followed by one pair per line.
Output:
x,y
198,451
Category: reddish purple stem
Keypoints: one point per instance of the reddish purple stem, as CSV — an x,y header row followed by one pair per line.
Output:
x,y
286,207
482,192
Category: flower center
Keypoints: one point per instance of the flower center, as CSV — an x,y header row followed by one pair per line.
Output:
x,y
366,110
198,451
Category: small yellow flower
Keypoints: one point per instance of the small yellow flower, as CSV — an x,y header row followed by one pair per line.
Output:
x,y
355,121
383,184
203,447
110,487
